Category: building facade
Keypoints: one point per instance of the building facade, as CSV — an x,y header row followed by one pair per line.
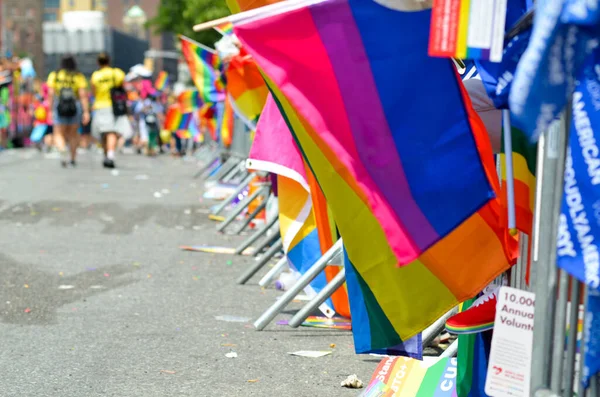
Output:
x,y
22,25
51,10
82,5
130,16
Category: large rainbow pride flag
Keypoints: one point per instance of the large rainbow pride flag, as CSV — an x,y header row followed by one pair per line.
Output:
x,y
401,172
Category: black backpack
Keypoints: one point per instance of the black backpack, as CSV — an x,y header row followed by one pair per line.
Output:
x,y
151,119
118,96
67,100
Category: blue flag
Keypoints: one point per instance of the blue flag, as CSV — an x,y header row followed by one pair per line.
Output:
x,y
545,75
579,229
579,225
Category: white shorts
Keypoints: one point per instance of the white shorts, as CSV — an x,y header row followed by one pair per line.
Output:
x,y
104,121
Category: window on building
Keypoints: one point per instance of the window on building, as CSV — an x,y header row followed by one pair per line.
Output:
x,y
72,3
51,3
93,5
30,13
50,17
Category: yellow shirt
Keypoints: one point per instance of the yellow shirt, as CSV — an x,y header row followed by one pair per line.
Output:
x,y
103,80
63,79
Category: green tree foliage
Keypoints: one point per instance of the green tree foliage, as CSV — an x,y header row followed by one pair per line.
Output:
x,y
179,16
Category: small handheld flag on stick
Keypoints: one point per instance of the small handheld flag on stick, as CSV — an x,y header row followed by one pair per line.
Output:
x,y
510,182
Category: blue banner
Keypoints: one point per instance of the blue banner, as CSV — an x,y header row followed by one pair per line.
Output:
x,y
545,76
579,225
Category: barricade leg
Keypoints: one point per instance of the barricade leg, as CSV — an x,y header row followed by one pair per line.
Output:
x,y
572,339
551,152
302,282
264,259
211,161
225,168
235,193
236,170
559,333
451,350
240,208
269,240
254,237
321,297
436,328
251,217
273,272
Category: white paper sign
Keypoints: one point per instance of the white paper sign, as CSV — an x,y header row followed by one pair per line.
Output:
x,y
510,357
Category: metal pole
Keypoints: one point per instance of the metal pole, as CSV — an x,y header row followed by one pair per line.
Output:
x,y
234,195
274,272
229,174
225,168
236,170
559,334
572,338
251,271
580,391
321,297
251,217
548,198
436,328
302,282
451,350
253,237
266,242
240,208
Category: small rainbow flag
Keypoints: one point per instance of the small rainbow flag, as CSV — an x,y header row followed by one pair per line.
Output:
x,y
204,65
173,118
161,81
227,123
189,101
226,28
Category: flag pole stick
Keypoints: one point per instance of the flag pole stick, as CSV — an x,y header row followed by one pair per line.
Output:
x,y
182,37
510,182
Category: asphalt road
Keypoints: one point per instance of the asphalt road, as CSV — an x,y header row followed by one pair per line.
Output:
x,y
96,299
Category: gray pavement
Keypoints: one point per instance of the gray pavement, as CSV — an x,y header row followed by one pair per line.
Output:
x,y
96,299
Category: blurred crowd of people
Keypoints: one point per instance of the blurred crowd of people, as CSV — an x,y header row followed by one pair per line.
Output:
x,y
69,113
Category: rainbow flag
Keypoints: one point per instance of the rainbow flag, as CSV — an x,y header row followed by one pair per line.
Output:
x,y
226,28
162,80
246,86
441,164
204,65
184,123
189,101
208,120
274,150
524,156
173,118
408,377
227,123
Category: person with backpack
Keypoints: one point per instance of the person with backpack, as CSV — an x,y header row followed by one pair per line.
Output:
x,y
150,116
110,108
68,100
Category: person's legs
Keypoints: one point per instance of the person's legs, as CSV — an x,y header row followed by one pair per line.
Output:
x,y
72,138
60,142
110,140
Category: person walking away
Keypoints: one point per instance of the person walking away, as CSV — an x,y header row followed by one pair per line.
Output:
x,y
110,108
150,120
68,99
